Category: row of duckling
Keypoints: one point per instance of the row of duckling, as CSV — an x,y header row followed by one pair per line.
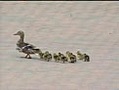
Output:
x,y
60,57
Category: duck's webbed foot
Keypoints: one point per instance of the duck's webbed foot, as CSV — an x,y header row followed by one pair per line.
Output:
x,y
28,56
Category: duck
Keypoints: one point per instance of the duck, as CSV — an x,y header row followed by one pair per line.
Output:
x,y
25,47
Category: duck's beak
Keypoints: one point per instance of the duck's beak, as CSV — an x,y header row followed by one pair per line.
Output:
x,y
15,34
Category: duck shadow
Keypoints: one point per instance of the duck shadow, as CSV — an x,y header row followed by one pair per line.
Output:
x,y
33,58
38,59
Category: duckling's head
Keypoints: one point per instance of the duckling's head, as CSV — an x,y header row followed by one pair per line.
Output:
x,y
20,33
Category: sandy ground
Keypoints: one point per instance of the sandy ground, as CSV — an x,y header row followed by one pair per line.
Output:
x,y
91,27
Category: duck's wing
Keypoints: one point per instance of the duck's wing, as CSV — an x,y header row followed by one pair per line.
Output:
x,y
29,45
21,45
26,46
30,49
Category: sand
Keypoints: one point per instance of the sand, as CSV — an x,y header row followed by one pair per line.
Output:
x,y
90,27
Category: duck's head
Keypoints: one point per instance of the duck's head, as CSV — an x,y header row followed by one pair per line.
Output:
x,y
20,33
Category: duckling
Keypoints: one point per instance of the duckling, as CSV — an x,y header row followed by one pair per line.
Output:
x,y
41,54
68,54
25,47
56,57
47,56
80,56
71,57
62,57
86,58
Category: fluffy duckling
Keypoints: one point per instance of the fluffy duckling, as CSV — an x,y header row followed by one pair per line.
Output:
x,y
62,57
56,57
86,58
68,54
80,56
71,57
25,47
41,54
47,56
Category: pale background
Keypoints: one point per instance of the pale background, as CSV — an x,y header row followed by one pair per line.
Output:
x,y
91,27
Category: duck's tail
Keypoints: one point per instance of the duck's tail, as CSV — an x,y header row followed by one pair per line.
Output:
x,y
37,50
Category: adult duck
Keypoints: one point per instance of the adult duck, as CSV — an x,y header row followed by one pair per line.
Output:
x,y
25,47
